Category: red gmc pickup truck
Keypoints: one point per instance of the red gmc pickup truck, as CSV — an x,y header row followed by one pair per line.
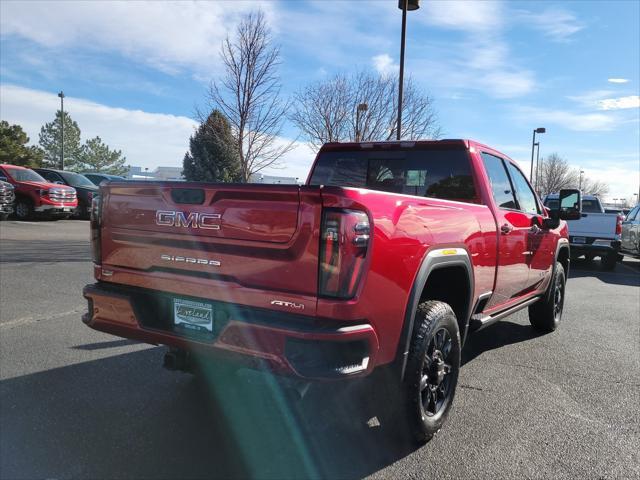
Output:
x,y
386,259
37,196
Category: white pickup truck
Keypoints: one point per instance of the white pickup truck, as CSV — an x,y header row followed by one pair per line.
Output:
x,y
596,234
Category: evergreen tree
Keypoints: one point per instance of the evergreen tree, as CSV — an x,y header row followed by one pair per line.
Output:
x,y
96,156
14,149
213,154
50,142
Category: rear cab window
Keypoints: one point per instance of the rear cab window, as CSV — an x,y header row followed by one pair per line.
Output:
x,y
435,173
591,206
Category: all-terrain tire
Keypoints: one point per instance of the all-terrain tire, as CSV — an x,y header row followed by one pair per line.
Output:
x,y
433,365
23,209
546,313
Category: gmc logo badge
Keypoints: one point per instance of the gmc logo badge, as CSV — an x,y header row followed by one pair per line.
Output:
x,y
169,218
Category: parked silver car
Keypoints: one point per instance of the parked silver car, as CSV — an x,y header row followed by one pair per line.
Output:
x,y
630,239
7,199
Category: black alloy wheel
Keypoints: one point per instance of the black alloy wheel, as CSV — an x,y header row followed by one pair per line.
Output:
x,y
546,313
433,365
435,384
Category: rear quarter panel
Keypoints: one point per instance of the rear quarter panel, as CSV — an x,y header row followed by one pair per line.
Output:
x,y
405,229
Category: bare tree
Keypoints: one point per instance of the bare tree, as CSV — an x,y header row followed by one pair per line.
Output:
x,y
594,187
326,111
556,174
248,94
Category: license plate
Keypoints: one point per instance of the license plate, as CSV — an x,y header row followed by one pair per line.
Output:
x,y
66,209
579,240
193,316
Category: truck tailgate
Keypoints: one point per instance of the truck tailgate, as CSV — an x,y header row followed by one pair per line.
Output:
x,y
255,236
594,225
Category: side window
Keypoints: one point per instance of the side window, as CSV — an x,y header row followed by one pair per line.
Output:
x,y
500,184
524,193
50,176
633,214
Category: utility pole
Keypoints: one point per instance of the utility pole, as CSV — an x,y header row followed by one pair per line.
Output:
x,y
61,95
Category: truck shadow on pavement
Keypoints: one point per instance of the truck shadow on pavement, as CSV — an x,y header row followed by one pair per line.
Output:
x,y
126,417
626,273
500,334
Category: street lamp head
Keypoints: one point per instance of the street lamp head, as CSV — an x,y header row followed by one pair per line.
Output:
x,y
541,130
61,94
411,4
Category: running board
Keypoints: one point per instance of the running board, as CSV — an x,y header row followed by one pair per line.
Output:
x,y
479,321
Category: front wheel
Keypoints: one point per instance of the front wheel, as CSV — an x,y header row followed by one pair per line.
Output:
x,y
546,313
24,209
431,375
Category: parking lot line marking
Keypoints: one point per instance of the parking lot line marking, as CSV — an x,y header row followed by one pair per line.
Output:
x,y
27,320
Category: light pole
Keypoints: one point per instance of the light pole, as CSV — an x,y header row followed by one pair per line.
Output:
x,y
403,5
580,183
533,144
362,107
61,95
537,145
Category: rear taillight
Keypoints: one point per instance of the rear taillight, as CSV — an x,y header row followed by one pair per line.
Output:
x,y
94,224
619,225
344,242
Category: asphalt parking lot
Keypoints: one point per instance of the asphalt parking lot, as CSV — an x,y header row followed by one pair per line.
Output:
x,y
75,403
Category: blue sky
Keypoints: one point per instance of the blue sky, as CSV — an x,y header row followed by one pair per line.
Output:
x,y
133,73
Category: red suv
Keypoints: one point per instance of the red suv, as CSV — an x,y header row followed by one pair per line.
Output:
x,y
35,195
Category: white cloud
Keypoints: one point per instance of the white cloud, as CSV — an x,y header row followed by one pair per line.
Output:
x,y
463,15
555,23
146,139
618,80
482,61
632,101
592,98
383,63
580,122
295,163
165,35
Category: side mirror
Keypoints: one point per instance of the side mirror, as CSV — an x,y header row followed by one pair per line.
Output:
x,y
569,205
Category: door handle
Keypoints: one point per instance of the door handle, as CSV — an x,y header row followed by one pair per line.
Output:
x,y
506,229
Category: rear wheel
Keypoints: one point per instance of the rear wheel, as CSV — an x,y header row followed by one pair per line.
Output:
x,y
431,375
24,209
546,313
